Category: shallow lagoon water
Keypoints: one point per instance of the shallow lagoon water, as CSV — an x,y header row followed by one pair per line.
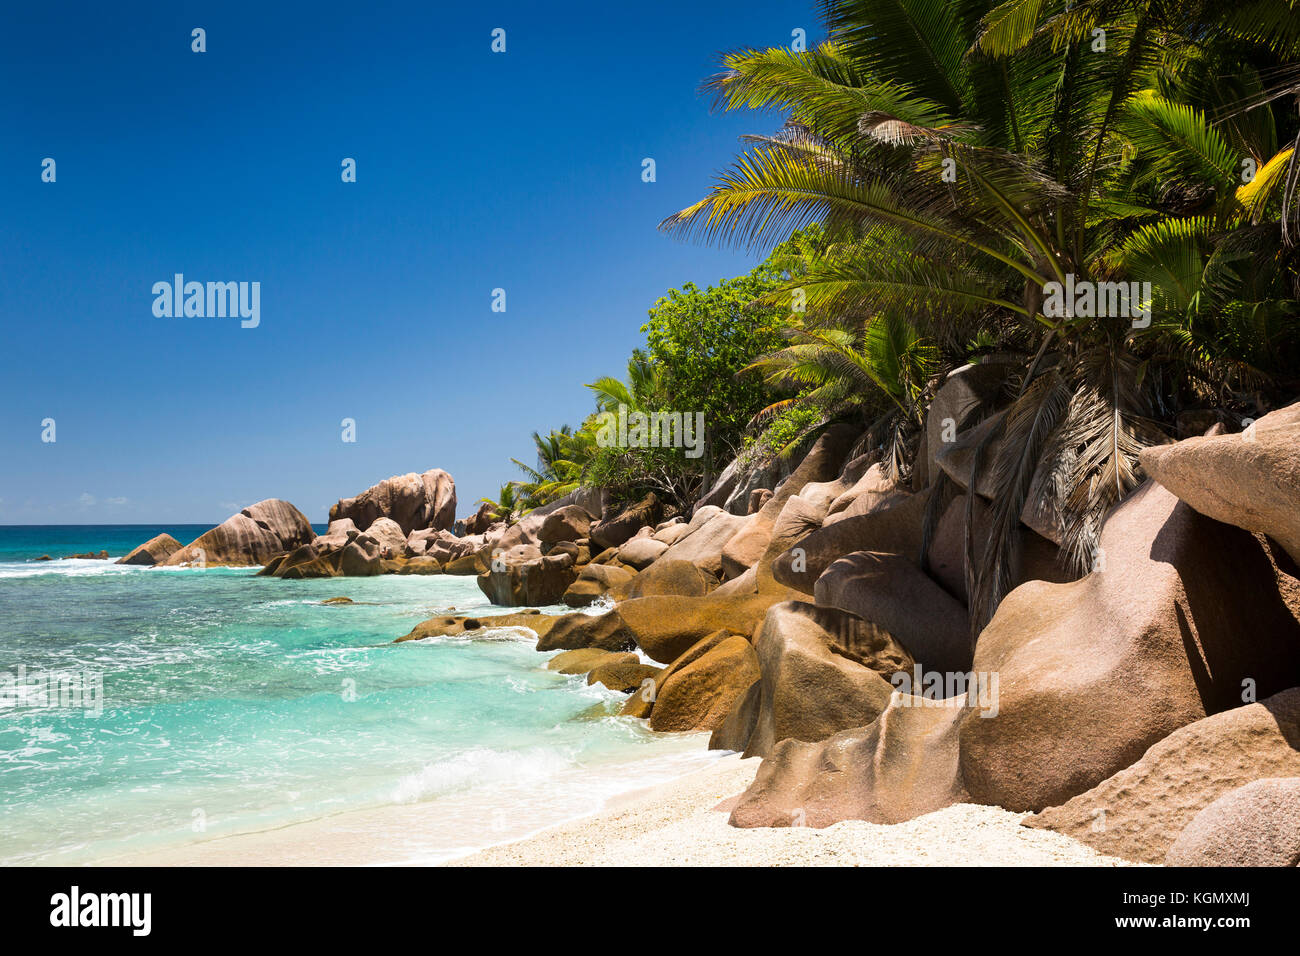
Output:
x,y
233,703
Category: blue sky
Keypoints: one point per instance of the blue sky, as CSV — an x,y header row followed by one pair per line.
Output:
x,y
475,171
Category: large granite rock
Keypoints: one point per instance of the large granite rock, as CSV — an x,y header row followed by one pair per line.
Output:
x,y
1140,811
619,525
413,501
639,552
461,624
418,565
154,551
822,463
960,397
900,766
252,537
1251,480
1182,614
670,532
720,491
303,562
390,537
710,530
582,660
957,458
444,546
594,581
475,563
570,523
642,702
752,475
667,576
1254,825
895,528
738,726
825,493
823,671
946,558
699,695
480,520
606,632
799,519
525,576
892,592
874,491
360,558
666,626
623,676
336,535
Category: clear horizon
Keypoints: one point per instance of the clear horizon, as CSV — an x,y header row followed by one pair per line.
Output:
x,y
474,171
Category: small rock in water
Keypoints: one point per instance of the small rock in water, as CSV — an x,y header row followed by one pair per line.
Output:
x,y
338,600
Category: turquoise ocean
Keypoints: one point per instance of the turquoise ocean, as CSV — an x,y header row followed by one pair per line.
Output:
x,y
194,704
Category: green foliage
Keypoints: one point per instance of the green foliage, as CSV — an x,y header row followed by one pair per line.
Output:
x,y
941,164
785,432
962,157
699,340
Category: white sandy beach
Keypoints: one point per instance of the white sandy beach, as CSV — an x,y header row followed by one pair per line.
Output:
x,y
676,824
670,824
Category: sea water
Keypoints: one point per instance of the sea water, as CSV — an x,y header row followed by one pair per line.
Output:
x,y
233,704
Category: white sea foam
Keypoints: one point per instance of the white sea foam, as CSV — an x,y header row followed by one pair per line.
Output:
x,y
67,567
481,767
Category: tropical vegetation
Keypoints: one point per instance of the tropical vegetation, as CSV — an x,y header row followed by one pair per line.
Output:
x,y
940,170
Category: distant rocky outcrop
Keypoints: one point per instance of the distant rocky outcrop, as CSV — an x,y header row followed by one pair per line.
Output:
x,y
523,575
154,551
254,536
412,501
480,520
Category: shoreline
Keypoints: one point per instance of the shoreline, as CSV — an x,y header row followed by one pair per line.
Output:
x,y
678,823
415,833
674,822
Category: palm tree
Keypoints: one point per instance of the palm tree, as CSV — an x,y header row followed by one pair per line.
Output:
x,y
641,391
964,157
561,458
508,506
842,368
